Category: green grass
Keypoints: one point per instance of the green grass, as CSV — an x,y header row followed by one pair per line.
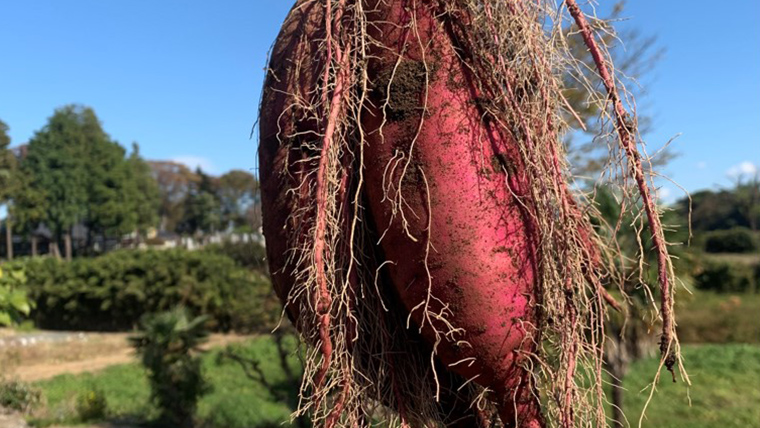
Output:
x,y
235,401
125,387
725,391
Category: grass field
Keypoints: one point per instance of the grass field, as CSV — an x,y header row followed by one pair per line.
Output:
x,y
725,391
236,401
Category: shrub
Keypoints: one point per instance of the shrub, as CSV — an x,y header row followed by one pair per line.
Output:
x,y
19,396
251,255
91,405
113,291
14,302
726,277
737,240
166,347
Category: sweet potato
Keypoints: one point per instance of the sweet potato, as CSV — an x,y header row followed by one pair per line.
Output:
x,y
461,260
413,190
443,188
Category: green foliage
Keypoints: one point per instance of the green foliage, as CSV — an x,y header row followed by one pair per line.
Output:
x,y
30,203
56,163
112,292
166,346
202,210
237,194
201,214
7,165
724,209
125,387
75,173
736,240
146,198
722,276
91,405
19,396
174,182
251,255
14,302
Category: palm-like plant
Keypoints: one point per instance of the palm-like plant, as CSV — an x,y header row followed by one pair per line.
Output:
x,y
168,346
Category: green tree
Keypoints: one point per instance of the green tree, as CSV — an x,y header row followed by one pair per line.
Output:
x,y
85,178
57,167
747,193
111,190
202,208
712,210
175,182
146,199
8,172
30,206
14,301
237,195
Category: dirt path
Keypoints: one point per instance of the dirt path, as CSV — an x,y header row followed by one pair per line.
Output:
x,y
44,355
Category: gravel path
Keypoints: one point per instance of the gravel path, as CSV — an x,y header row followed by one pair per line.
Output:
x,y
10,419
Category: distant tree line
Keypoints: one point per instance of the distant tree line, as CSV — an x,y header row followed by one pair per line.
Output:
x,y
725,209
74,188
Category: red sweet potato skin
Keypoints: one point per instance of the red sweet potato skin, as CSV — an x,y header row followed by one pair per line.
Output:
x,y
473,246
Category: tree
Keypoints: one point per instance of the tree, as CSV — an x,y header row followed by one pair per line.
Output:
x,y
237,195
85,178
56,163
634,55
30,206
747,194
111,189
712,210
202,209
175,182
147,199
8,171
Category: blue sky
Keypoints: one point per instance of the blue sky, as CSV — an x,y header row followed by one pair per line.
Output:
x,y
182,78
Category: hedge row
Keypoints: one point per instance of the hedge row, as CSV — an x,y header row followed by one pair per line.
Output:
x,y
722,276
251,255
737,240
113,291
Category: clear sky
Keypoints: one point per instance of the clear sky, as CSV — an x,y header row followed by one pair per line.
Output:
x,y
182,78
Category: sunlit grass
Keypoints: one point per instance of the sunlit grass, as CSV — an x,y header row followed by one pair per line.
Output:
x,y
725,391
235,401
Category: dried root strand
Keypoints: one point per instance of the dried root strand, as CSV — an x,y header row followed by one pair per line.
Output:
x,y
626,133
